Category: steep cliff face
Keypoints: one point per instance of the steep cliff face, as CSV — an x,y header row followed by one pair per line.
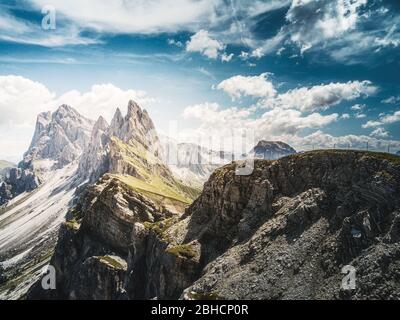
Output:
x,y
283,232
103,153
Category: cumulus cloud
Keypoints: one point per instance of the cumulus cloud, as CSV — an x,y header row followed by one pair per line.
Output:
x,y
316,21
202,43
305,99
255,86
383,119
22,99
218,122
358,107
323,96
371,124
323,140
225,128
379,133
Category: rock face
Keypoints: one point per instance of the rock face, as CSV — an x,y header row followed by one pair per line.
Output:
x,y
5,167
271,150
58,140
102,156
17,181
284,232
60,136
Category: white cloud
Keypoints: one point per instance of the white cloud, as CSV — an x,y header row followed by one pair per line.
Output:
x,y
391,100
226,57
360,115
134,16
358,107
345,116
22,99
379,133
371,124
323,140
391,118
202,43
218,127
218,123
255,86
383,119
20,31
324,96
312,22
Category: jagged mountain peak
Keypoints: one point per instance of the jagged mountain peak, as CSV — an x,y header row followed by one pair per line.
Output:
x,y
117,121
101,124
104,151
133,108
60,136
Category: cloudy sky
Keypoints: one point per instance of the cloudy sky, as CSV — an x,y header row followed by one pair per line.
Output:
x,y
315,74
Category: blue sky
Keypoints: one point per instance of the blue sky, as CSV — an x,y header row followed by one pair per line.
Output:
x,y
312,73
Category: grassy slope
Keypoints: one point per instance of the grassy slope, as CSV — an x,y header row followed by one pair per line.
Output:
x,y
153,178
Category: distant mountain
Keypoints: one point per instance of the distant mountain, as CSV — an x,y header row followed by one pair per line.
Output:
x,y
59,137
192,163
6,164
271,150
398,153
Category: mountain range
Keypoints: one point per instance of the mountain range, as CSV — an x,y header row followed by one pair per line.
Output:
x,y
123,213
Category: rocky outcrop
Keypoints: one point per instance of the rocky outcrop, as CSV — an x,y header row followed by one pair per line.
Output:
x,y
17,181
271,150
283,232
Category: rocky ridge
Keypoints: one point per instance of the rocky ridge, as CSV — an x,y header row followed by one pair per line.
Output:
x,y
283,232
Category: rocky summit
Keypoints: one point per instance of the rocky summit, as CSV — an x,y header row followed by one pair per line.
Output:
x,y
271,150
58,140
286,231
